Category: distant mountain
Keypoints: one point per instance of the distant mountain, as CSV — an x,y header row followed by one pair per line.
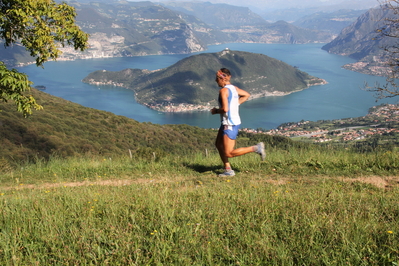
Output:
x,y
362,42
190,84
240,24
332,22
219,16
284,32
296,10
136,28
123,29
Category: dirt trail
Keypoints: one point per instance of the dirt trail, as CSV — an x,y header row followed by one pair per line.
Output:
x,y
377,181
122,182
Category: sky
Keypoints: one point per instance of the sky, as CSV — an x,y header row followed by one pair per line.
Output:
x,y
266,5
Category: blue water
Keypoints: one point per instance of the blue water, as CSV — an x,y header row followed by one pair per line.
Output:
x,y
342,97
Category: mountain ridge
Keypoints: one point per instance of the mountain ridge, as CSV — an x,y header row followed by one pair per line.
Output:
x,y
361,41
124,29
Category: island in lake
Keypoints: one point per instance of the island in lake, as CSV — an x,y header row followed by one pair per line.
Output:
x,y
189,85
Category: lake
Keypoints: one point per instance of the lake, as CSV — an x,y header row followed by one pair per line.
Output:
x,y
342,97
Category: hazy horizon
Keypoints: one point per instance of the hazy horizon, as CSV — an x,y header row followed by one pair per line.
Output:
x,y
265,5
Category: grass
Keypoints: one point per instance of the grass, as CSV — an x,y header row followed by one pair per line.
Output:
x,y
300,207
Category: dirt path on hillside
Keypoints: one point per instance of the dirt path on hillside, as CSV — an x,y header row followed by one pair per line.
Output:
x,y
121,182
377,181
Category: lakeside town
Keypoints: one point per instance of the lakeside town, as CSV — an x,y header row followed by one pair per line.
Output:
x,y
380,120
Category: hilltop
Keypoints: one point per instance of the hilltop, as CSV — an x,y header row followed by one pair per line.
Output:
x,y
189,84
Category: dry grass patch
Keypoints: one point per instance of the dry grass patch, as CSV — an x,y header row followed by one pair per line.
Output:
x,y
377,181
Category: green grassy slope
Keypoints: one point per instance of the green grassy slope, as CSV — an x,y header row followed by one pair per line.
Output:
x,y
299,207
67,129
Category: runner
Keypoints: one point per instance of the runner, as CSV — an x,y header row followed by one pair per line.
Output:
x,y
230,97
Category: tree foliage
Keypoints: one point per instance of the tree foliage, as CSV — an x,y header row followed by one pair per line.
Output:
x,y
42,27
389,29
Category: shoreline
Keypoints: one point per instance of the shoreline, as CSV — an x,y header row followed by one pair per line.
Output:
x,y
187,107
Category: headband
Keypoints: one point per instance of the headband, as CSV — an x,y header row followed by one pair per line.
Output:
x,y
220,74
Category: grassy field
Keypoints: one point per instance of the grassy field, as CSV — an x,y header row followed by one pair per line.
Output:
x,y
299,207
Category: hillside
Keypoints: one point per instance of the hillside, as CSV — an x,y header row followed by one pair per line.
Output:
x,y
125,28
65,129
219,16
332,22
362,42
189,84
240,24
379,129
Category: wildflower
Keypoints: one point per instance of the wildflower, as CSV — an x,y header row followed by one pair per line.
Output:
x,y
228,180
390,232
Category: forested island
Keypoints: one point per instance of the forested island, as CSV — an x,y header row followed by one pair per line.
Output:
x,y
189,84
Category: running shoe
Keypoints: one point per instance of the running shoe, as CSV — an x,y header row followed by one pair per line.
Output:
x,y
261,150
227,173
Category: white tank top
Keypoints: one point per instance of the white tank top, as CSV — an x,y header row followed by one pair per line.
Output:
x,y
232,117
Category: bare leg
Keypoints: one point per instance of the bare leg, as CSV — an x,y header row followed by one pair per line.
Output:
x,y
220,147
229,150
225,146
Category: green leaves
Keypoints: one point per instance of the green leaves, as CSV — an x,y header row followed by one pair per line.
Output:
x,y
41,26
12,87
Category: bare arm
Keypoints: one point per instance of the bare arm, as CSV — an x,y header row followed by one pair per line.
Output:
x,y
224,94
243,95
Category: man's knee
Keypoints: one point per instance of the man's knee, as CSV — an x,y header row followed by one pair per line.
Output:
x,y
229,154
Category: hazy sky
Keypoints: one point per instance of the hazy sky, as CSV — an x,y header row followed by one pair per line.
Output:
x,y
283,4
